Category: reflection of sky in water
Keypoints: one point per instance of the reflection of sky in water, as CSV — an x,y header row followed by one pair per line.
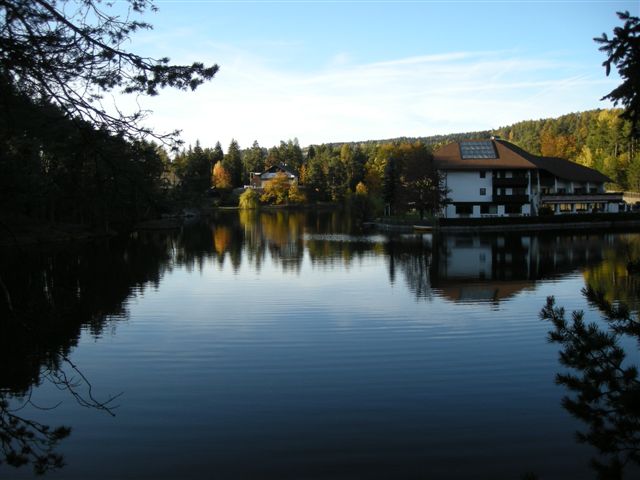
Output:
x,y
328,368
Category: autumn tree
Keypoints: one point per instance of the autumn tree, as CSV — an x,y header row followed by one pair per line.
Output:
x,y
276,190
221,177
249,200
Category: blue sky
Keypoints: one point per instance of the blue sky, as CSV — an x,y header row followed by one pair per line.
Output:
x,y
330,71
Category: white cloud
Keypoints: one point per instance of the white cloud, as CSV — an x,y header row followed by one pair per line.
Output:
x,y
257,98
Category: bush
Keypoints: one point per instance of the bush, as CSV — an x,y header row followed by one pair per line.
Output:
x,y
249,199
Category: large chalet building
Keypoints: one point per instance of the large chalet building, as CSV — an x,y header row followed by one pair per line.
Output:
x,y
493,177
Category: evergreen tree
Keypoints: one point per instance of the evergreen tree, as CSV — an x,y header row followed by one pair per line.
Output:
x,y
232,163
48,46
390,183
253,160
623,51
604,393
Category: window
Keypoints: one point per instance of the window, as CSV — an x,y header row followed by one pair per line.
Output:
x,y
483,174
565,207
464,209
483,191
489,209
512,209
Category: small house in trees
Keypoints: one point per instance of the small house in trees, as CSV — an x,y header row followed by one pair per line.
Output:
x,y
494,177
258,180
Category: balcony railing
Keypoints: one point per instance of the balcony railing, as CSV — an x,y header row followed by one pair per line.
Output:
x,y
510,182
581,197
510,198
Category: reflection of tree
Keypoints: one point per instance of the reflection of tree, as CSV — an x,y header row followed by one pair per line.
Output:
x,y
413,258
48,298
606,392
612,277
26,441
279,232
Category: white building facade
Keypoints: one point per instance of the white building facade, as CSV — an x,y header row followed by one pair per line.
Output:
x,y
494,178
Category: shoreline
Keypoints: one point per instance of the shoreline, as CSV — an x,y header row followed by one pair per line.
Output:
x,y
610,221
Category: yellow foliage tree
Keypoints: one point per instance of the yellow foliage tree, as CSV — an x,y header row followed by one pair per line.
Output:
x,y
276,191
295,195
221,177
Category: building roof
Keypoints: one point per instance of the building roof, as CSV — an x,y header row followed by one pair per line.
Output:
x,y
274,170
568,170
460,156
450,157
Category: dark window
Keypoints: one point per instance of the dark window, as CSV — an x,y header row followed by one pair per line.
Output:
x,y
483,191
464,209
511,209
487,208
483,174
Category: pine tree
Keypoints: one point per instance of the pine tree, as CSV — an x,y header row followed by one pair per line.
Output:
x,y
232,163
623,51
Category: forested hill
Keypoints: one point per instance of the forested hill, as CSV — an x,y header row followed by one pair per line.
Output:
x,y
595,138
430,140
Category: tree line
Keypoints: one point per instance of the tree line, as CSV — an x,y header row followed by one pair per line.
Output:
x,y
599,139
390,172
399,174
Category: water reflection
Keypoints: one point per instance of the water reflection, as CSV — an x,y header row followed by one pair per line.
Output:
x,y
612,276
61,293
490,268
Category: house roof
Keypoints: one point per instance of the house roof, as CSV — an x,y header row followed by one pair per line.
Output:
x,y
510,156
275,169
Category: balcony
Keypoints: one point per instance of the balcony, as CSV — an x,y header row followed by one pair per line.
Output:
x,y
581,197
510,182
502,199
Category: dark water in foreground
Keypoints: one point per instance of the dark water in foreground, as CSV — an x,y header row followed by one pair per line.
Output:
x,y
295,346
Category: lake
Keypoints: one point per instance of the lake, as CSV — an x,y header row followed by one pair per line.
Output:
x,y
297,345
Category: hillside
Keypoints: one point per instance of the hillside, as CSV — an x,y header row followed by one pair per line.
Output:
x,y
596,138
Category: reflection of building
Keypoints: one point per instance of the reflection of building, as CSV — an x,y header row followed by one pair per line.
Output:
x,y
259,180
495,267
496,178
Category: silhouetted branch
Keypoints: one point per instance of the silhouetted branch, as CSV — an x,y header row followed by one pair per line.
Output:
x,y
606,392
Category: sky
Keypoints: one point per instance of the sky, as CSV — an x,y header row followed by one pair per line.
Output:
x,y
337,71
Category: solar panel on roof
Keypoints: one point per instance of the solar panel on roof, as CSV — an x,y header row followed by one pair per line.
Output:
x,y
479,149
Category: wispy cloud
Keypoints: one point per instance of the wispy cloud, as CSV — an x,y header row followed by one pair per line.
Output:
x,y
259,98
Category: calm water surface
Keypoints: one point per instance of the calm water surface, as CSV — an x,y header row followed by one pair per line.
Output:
x,y
297,346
